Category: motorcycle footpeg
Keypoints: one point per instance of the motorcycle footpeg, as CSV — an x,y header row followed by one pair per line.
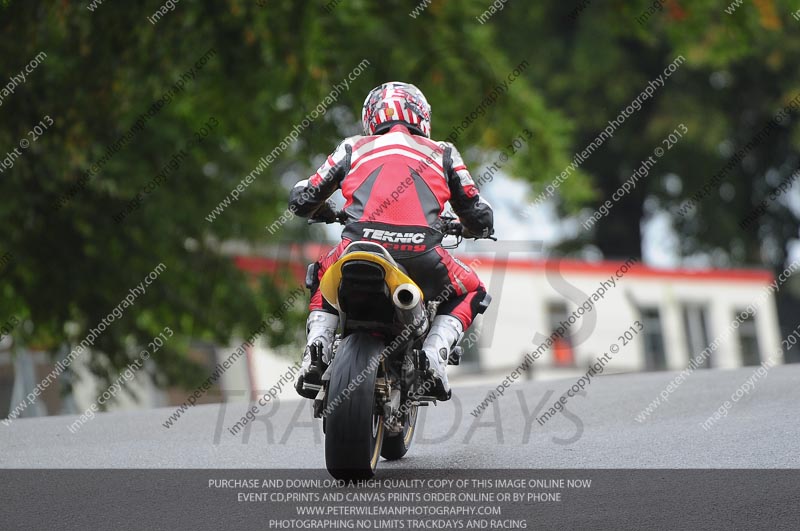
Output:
x,y
441,395
305,389
455,356
425,401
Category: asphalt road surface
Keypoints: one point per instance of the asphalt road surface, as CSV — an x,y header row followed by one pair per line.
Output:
x,y
599,431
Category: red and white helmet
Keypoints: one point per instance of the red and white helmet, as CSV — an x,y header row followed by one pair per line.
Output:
x,y
396,102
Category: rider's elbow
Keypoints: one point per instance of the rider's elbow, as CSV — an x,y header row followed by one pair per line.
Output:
x,y
299,202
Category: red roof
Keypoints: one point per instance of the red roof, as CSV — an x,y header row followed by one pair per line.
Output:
x,y
299,257
606,268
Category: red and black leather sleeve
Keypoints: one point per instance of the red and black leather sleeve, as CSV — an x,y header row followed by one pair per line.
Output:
x,y
311,194
475,213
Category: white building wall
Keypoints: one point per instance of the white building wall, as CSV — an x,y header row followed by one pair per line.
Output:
x,y
769,329
522,303
672,323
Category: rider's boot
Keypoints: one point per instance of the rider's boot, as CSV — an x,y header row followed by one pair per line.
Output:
x,y
320,330
445,332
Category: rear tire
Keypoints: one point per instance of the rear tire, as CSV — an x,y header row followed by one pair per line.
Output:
x,y
353,431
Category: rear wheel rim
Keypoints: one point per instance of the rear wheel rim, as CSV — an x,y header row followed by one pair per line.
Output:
x,y
377,438
411,422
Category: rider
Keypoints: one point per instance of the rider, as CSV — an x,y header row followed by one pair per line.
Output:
x,y
395,182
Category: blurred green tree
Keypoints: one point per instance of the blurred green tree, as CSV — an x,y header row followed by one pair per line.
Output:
x,y
740,70
264,69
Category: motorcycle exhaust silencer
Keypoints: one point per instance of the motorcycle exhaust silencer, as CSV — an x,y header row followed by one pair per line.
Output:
x,y
407,300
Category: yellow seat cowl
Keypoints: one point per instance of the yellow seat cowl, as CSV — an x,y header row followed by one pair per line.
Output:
x,y
329,285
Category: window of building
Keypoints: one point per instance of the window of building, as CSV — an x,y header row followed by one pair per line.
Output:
x,y
695,325
563,351
748,341
653,340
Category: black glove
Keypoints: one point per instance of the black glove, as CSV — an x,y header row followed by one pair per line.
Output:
x,y
466,233
326,212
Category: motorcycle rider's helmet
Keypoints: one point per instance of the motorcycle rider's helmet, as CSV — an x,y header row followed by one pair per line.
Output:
x,y
396,102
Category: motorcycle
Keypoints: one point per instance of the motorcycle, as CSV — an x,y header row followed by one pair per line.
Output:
x,y
376,378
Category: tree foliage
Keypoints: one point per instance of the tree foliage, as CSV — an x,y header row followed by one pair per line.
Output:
x,y
274,62
270,67
740,70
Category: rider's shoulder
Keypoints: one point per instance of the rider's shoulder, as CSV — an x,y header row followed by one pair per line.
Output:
x,y
444,145
348,144
353,141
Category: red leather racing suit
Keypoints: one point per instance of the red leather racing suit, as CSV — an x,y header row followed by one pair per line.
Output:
x,y
395,186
